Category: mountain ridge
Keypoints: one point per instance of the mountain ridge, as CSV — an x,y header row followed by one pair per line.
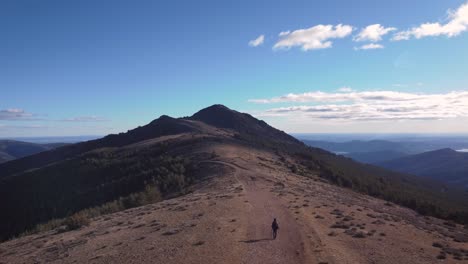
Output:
x,y
168,161
216,115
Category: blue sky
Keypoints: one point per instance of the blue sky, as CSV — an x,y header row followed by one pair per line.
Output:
x,y
99,67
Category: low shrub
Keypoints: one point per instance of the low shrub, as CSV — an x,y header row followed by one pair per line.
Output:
x,y
76,221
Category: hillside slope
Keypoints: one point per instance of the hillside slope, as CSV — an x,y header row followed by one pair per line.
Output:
x,y
162,160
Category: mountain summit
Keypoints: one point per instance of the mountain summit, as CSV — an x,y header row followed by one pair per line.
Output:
x,y
222,117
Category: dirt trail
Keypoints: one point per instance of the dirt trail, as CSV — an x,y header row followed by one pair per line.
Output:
x,y
288,247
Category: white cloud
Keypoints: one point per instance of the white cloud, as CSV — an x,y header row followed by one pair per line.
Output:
x,y
338,97
257,42
373,105
317,37
85,119
370,46
373,33
16,114
457,22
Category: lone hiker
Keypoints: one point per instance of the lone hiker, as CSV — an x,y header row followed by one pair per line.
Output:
x,y
274,227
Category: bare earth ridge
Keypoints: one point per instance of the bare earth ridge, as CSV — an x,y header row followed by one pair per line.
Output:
x,y
227,218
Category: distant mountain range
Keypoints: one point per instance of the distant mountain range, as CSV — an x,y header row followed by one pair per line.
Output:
x,y
446,165
54,139
12,149
386,147
375,157
420,158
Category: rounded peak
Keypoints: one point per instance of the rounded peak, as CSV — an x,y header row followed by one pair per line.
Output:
x,y
165,117
216,110
216,107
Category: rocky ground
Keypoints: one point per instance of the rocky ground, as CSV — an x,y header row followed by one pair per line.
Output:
x,y
227,218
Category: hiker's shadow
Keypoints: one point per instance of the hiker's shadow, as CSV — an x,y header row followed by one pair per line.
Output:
x,y
256,240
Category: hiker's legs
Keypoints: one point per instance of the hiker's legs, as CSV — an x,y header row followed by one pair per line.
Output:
x,y
274,233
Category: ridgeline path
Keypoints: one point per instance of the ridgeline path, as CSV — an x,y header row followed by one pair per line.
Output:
x,y
264,206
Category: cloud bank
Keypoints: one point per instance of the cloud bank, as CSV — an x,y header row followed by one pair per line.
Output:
x,y
16,114
371,105
85,119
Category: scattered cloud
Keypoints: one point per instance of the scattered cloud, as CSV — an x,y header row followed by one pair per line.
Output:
x,y
321,36
373,33
257,42
32,126
373,105
370,46
85,119
457,22
317,37
16,114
